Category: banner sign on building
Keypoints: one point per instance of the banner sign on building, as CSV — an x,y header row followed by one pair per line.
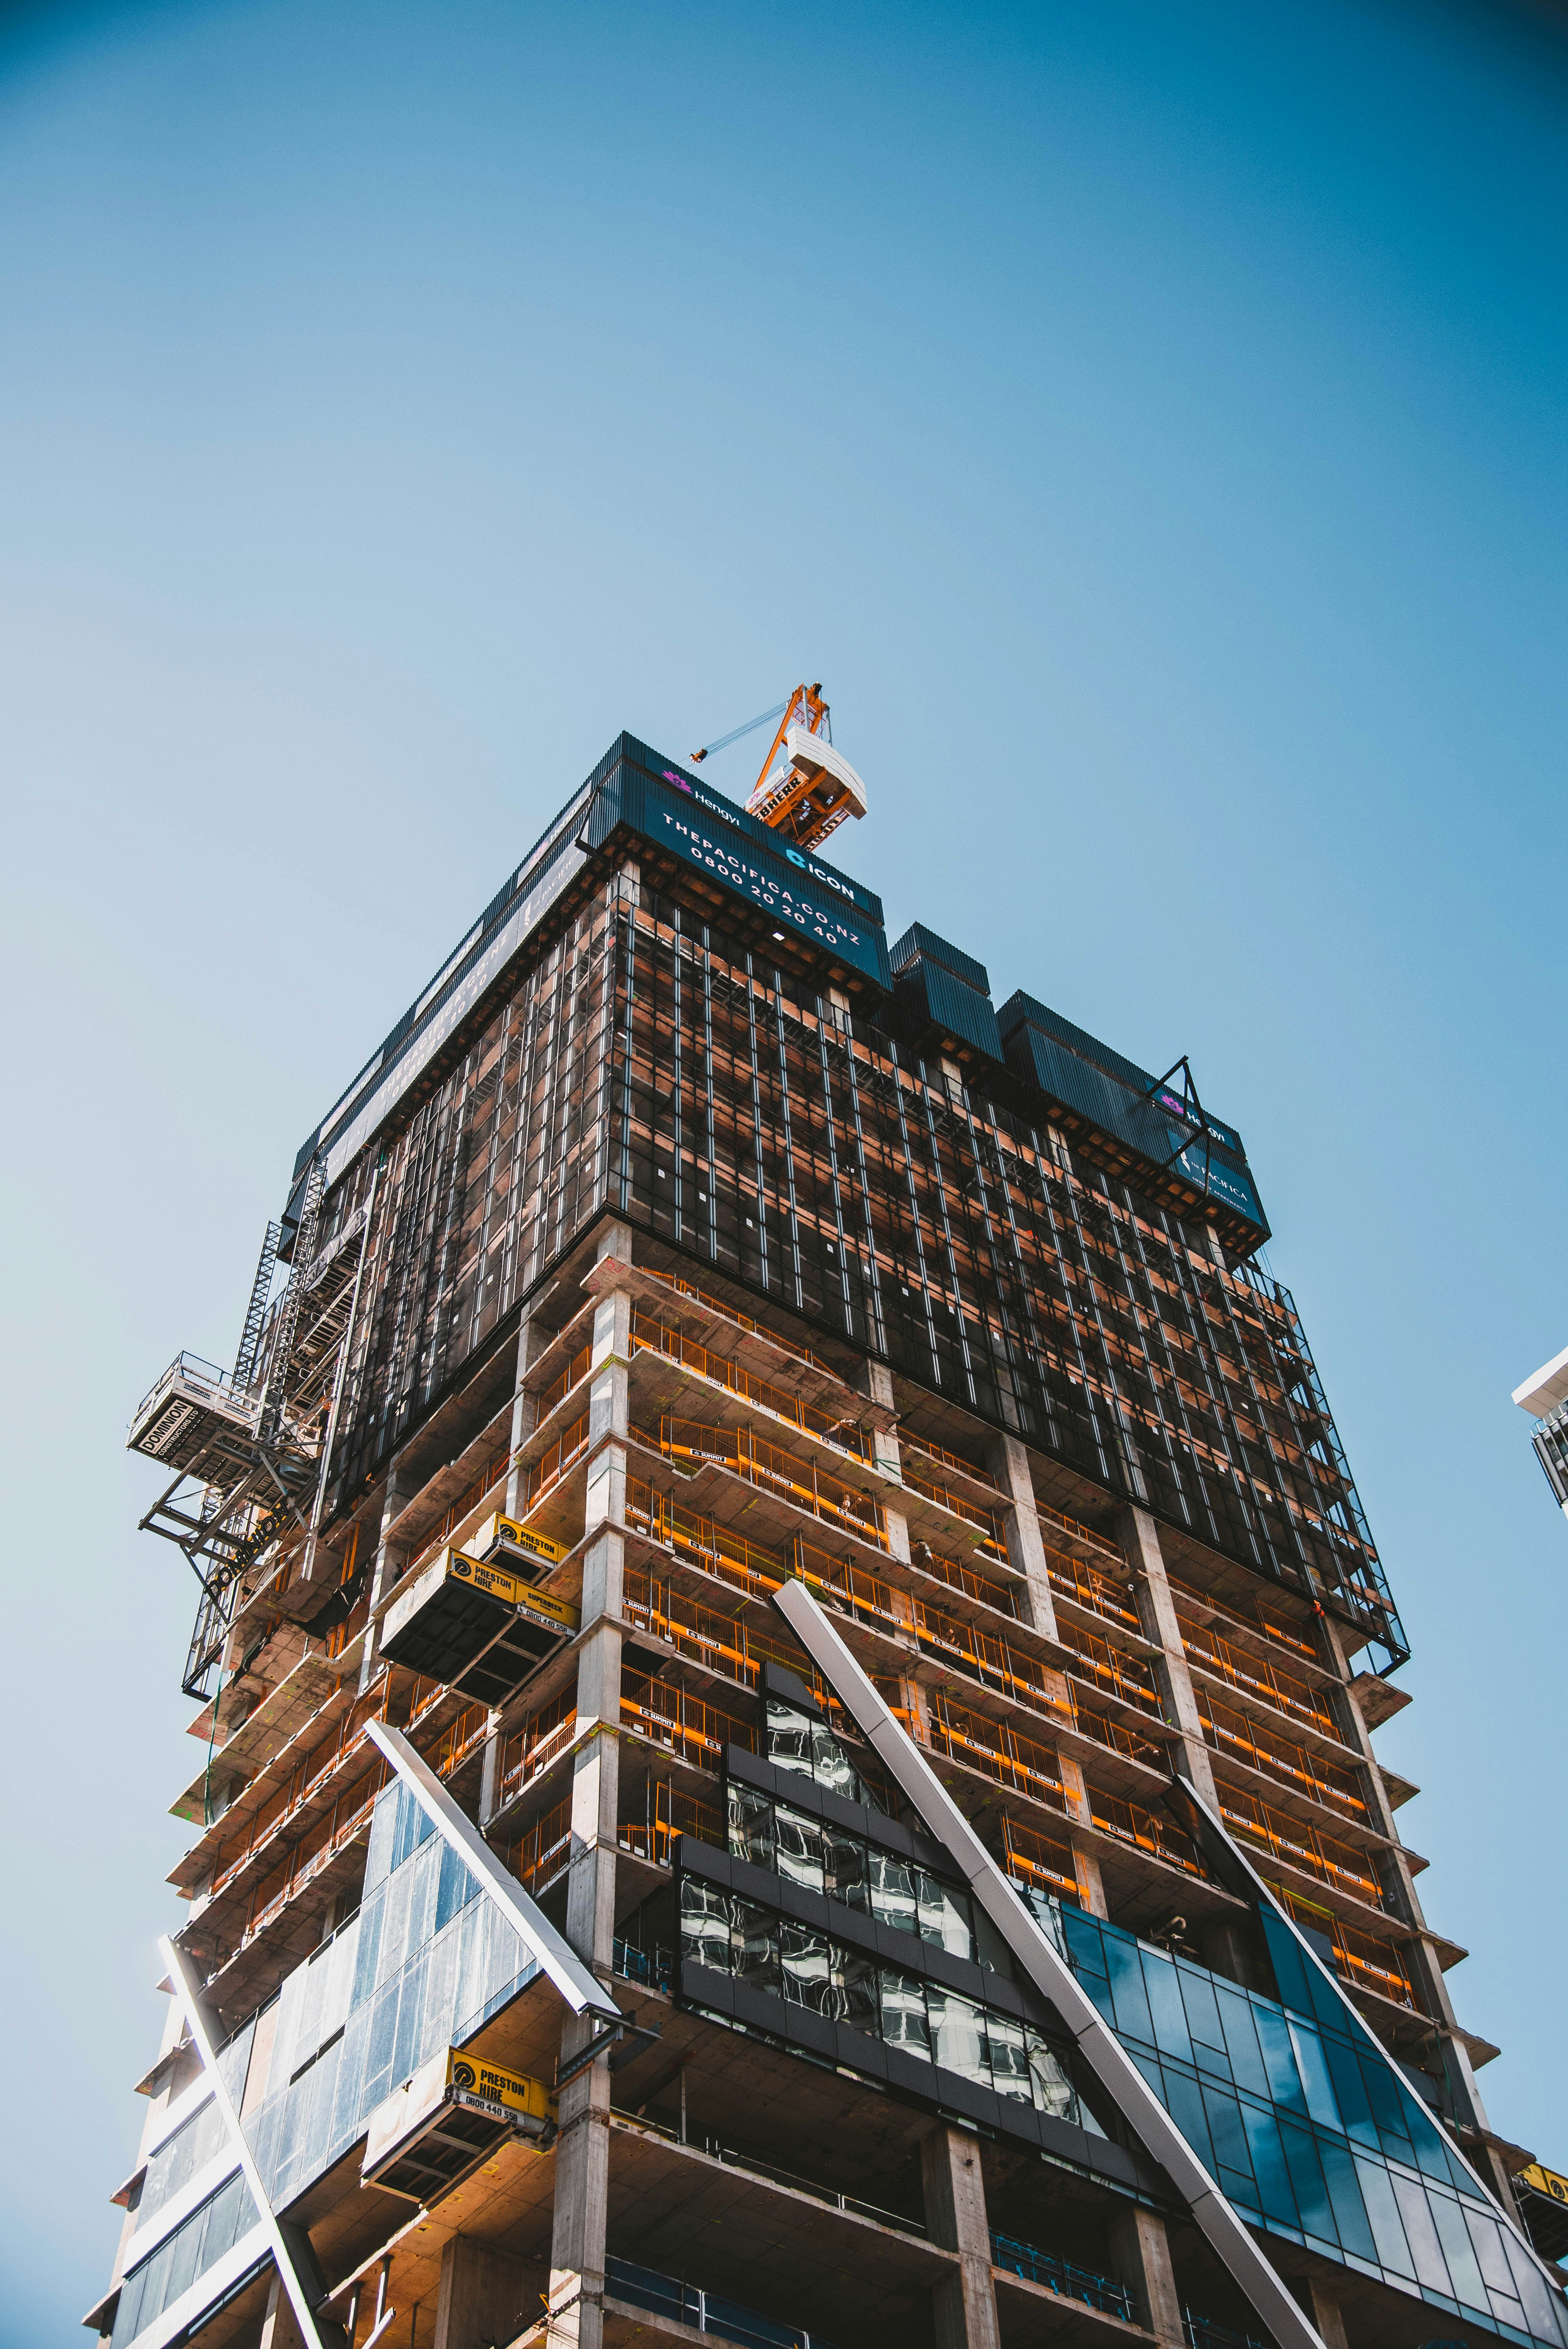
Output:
x,y
798,890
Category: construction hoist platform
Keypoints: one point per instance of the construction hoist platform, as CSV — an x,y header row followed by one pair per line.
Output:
x,y
805,789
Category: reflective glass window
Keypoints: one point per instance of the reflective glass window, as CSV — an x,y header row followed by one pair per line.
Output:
x,y
704,1924
800,1845
943,1914
854,1989
892,1892
904,2017
958,2035
755,1946
750,1825
808,1978
1010,2073
847,1869
789,1738
1049,2084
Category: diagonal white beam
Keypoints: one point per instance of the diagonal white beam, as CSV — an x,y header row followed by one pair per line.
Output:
x,y
1103,2052
317,2335
583,1991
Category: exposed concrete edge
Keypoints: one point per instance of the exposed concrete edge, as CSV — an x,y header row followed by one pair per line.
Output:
x,y
583,1993
1225,2233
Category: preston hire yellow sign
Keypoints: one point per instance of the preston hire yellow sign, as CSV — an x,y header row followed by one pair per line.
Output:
x,y
496,1583
507,1529
512,2090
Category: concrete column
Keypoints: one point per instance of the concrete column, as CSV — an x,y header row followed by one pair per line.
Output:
x,y
524,1410
1324,2311
1086,1865
963,2306
390,1560
877,1381
1140,1538
576,2319
484,2295
1091,1887
1009,1464
1140,2249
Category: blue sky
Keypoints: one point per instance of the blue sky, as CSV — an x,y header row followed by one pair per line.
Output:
x,y
1148,421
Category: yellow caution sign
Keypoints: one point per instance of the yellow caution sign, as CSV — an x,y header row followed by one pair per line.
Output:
x,y
511,1589
507,1529
1545,2181
513,2090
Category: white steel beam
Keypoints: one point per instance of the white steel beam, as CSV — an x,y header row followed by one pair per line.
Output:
x,y
1102,2052
582,1990
316,2334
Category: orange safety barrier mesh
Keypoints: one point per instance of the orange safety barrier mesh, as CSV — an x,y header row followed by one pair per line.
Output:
x,y
1245,1740
1301,1846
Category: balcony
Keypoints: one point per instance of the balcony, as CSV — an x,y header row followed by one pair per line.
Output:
x,y
1062,2276
1295,1769
651,1336
691,1446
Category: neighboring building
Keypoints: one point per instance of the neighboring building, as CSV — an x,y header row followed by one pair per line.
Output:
x,y
1545,1397
689,1302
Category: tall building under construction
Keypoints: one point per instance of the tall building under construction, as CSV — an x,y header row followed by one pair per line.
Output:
x,y
784,1679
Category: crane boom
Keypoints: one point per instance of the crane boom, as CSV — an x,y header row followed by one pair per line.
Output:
x,y
725,741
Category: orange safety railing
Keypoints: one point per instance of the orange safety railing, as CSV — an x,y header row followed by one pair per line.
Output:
x,y
543,1849
1370,1965
458,1739
1091,1589
1111,1669
963,1578
577,1371
666,1812
1258,1678
995,1748
985,1521
1118,1738
1150,1830
307,1778
992,1662
535,1743
746,1566
348,1818
1039,1858
694,1730
1238,1735
1049,1517
711,1639
907,1443
652,1337
851,1588
1300,1847
717,1305
552,1466
1257,1621
691,1443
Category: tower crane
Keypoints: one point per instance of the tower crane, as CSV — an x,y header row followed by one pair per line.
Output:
x,y
805,789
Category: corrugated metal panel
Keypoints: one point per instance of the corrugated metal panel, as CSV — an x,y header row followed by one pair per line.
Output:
x,y
1020,1008
918,943
961,1010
